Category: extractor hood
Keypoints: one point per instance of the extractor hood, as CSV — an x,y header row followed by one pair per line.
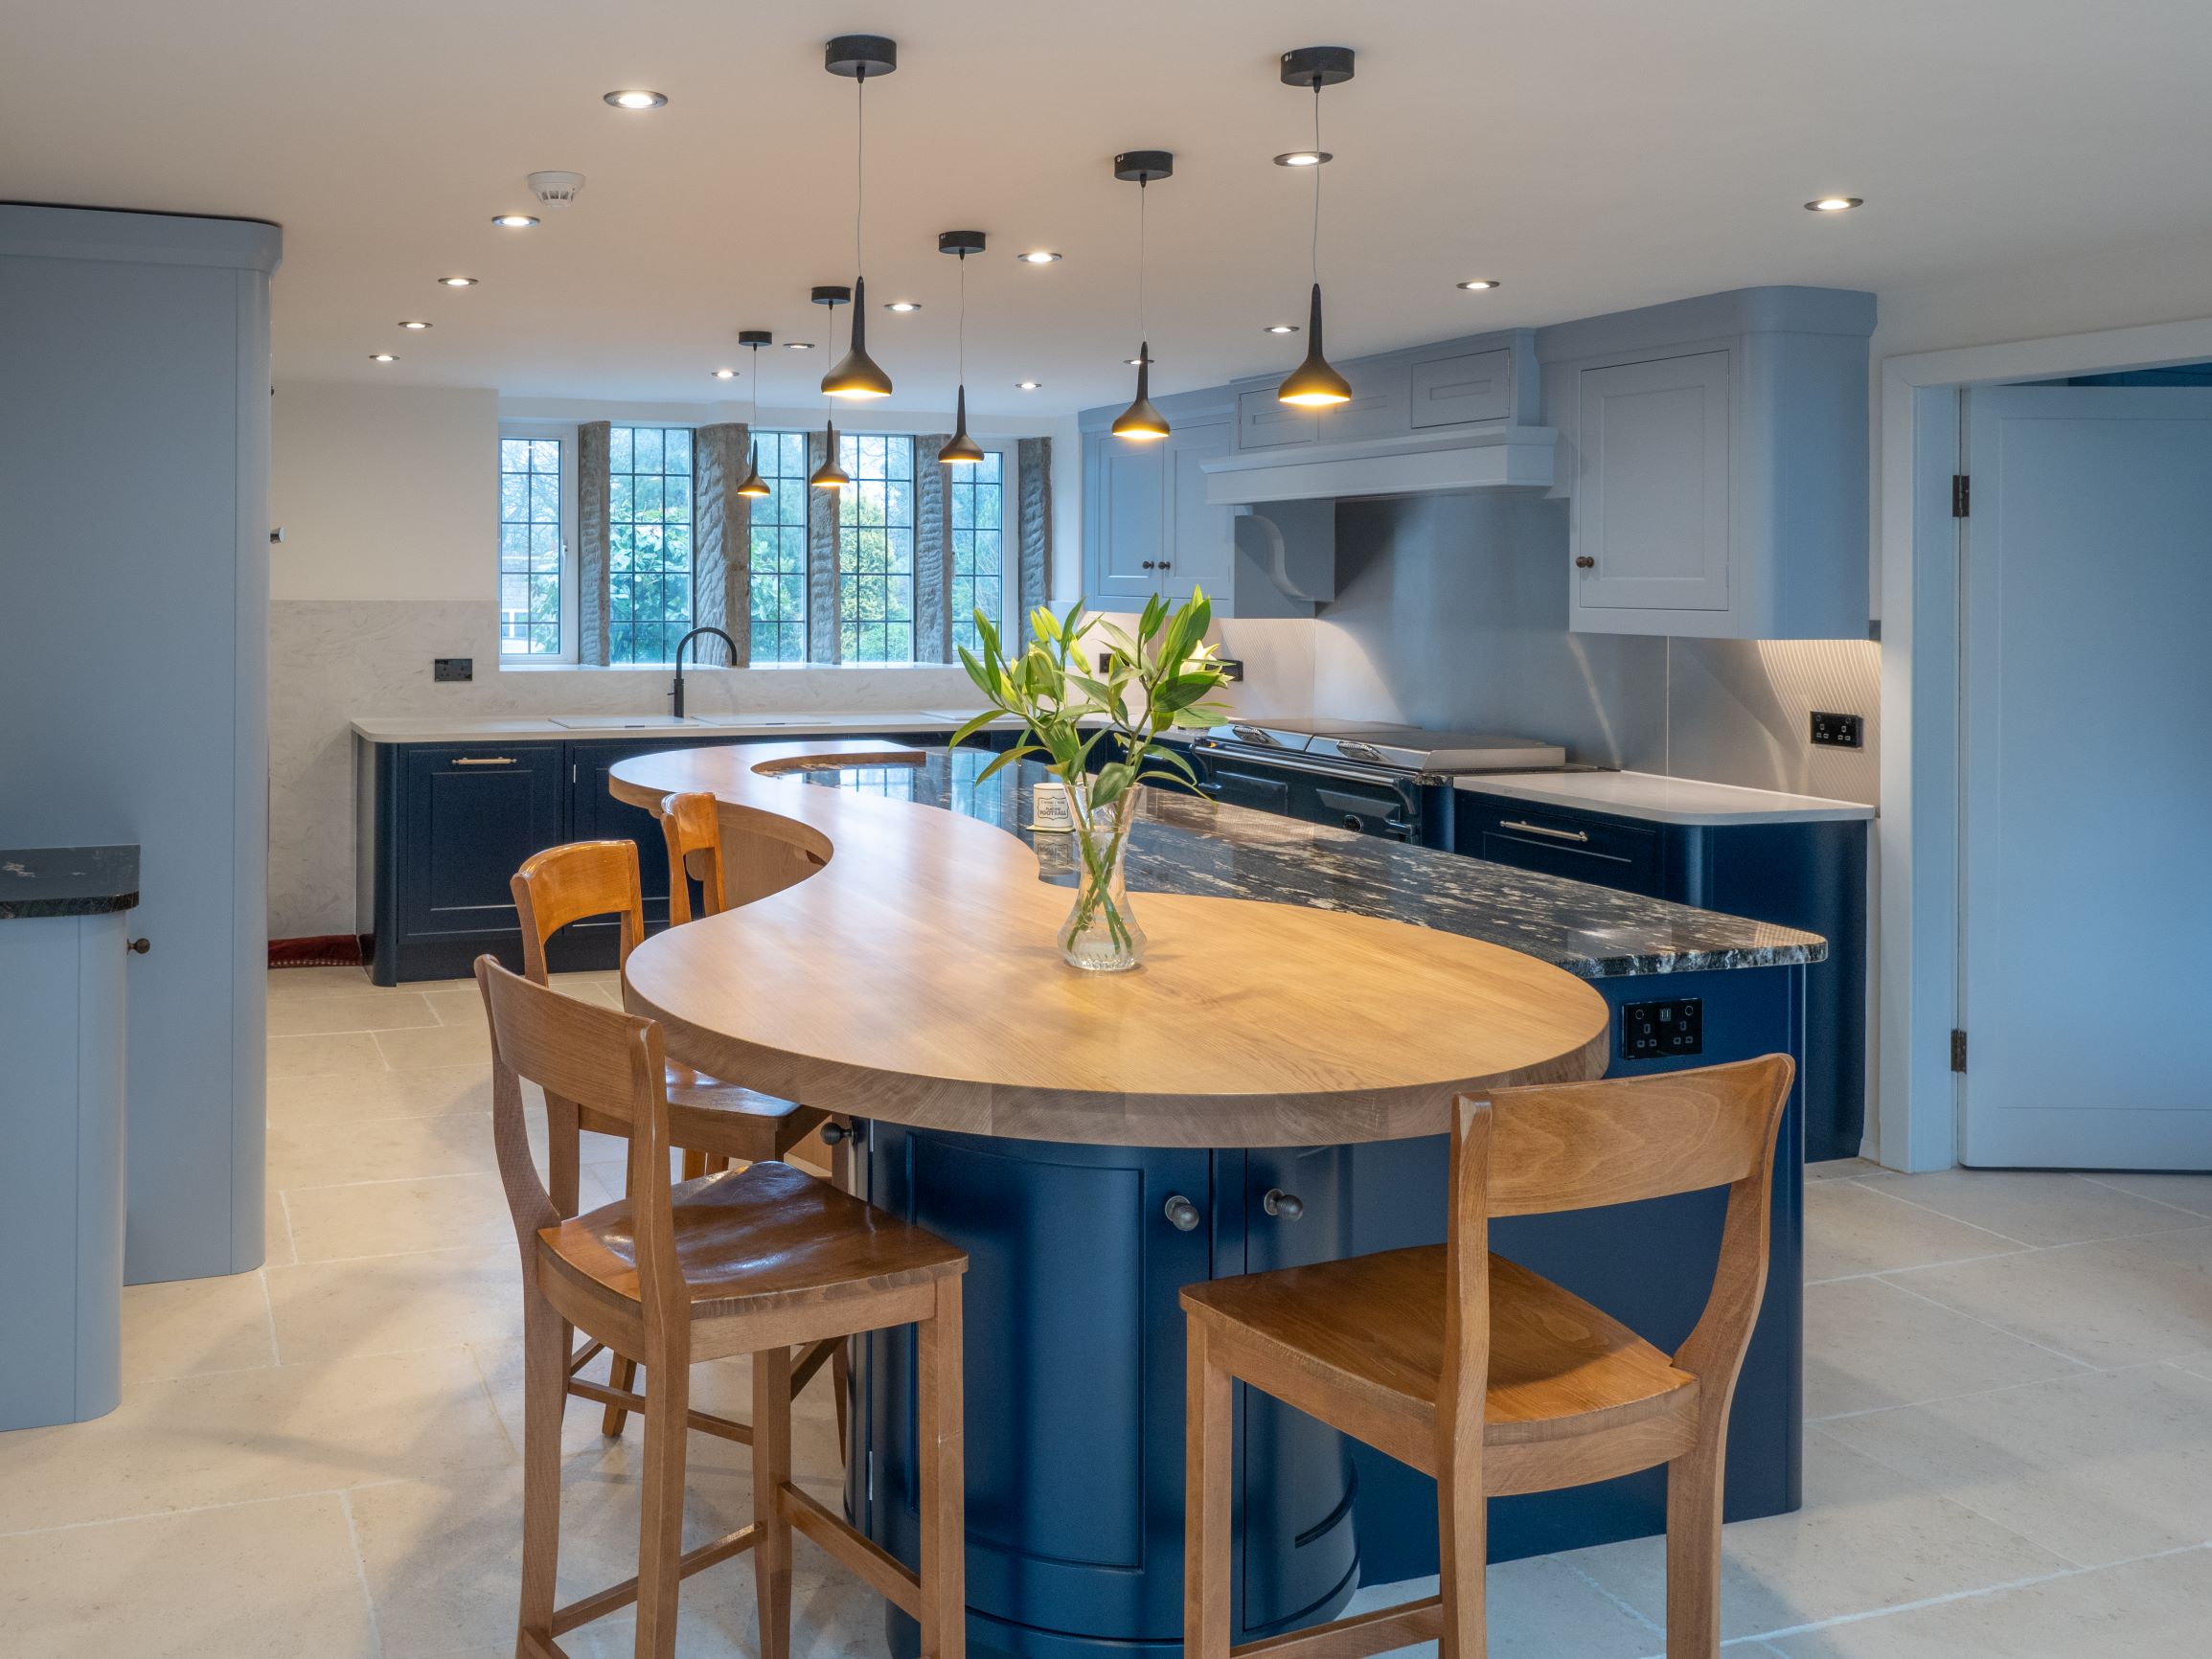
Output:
x,y
1493,457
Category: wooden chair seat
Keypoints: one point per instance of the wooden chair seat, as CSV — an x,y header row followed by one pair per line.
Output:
x,y
1375,1325
747,1239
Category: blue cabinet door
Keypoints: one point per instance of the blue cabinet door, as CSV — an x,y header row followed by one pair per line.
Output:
x,y
594,815
471,813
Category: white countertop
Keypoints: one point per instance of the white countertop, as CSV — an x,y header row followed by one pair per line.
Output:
x,y
1662,800
573,727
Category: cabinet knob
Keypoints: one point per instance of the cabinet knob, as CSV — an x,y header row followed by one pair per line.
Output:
x,y
1164,565
1182,1215
139,946
1288,1205
1584,562
1147,564
832,1133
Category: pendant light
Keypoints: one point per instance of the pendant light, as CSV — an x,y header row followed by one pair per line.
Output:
x,y
830,475
961,451
753,483
855,376
1313,384
1140,420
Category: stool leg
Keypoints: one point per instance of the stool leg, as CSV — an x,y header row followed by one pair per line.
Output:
x,y
841,1381
771,1469
695,1164
1462,1552
944,1480
1693,1552
660,1540
545,1345
1207,1500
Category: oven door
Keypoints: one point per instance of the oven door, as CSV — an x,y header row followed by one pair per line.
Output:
x,y
1375,802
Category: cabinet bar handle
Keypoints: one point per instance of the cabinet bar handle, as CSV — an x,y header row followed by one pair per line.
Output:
x,y
1542,829
484,759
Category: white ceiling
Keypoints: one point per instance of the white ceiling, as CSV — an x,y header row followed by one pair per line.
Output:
x,y
1591,154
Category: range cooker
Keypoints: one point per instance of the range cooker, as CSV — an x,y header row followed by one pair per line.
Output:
x,y
1382,779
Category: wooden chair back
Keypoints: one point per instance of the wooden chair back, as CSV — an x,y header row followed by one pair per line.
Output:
x,y
1549,1147
565,884
609,1062
694,831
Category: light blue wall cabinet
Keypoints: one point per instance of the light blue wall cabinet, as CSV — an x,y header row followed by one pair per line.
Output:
x,y
1147,527
134,416
1715,456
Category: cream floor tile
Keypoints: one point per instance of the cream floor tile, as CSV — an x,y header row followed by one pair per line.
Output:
x,y
1539,1608
2099,1468
1869,1344
1853,1228
1842,1170
390,1304
328,1055
332,1149
344,1011
1866,1539
260,1580
2156,1609
276,1230
316,1102
2193,1192
195,1325
2123,1301
240,1435
437,1046
2035,1207
394,1217
291,982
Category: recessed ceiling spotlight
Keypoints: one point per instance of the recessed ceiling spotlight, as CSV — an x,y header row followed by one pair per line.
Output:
x,y
457,281
637,100
1029,385
383,357
903,305
1282,328
798,345
1303,158
1834,204
725,373
1480,285
513,221
416,326
1037,256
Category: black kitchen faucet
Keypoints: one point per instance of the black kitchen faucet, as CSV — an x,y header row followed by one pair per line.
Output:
x,y
677,693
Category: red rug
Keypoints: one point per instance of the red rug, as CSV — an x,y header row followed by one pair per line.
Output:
x,y
324,950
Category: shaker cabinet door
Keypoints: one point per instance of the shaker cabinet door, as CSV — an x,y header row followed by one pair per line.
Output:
x,y
473,815
1132,519
1202,538
1651,507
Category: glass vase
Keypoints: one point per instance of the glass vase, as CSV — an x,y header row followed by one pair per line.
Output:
x,y
1101,934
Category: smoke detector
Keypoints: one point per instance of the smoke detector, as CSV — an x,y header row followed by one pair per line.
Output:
x,y
556,190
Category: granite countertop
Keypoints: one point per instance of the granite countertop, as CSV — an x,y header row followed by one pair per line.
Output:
x,y
1663,800
770,723
1188,844
67,882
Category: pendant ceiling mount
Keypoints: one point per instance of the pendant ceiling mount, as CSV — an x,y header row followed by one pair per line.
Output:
x,y
856,376
1314,384
1141,421
1317,66
1144,166
962,242
960,449
857,56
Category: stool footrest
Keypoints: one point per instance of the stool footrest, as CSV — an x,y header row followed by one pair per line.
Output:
x,y
815,1357
1364,1633
884,1572
625,1400
584,1356
622,1595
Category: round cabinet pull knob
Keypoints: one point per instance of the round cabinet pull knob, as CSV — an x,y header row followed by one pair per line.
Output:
x,y
832,1133
1149,565
139,946
1182,1215
1584,562
1165,565
1288,1205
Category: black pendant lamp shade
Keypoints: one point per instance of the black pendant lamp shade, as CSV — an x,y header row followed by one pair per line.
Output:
x,y
1142,422
1313,384
855,376
753,483
961,451
830,475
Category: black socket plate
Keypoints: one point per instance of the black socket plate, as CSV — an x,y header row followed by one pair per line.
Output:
x,y
960,241
755,337
1144,166
855,54
833,294
1325,65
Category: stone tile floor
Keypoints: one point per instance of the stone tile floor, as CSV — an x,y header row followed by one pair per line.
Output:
x,y
2009,1379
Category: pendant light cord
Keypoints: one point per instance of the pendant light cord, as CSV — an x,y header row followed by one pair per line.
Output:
x,y
963,335
859,162
1144,351
1314,253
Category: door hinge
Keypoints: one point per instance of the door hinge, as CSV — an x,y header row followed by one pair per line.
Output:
x,y
1958,1050
1961,495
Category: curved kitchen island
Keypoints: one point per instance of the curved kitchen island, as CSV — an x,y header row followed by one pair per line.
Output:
x,y
1270,1089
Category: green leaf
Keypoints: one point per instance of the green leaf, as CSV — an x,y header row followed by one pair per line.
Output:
x,y
1000,762
1112,782
1168,757
974,726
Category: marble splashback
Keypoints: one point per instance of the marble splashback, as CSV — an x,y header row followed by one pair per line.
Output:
x,y
333,660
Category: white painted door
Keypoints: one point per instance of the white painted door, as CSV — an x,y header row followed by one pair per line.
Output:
x,y
2087,811
1651,506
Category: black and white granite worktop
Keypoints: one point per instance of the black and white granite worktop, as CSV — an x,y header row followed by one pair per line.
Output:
x,y
67,882
1188,844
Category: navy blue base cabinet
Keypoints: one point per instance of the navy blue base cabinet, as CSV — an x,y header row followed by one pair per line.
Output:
x,y
1075,1361
440,827
1809,876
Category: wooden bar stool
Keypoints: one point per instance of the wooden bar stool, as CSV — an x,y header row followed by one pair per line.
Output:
x,y
707,1117
751,1261
1495,1380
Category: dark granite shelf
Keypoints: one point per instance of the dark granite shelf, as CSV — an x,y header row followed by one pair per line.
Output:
x,y
1187,844
67,882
